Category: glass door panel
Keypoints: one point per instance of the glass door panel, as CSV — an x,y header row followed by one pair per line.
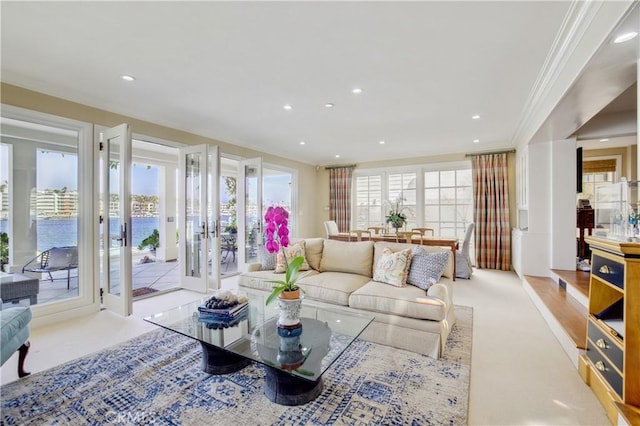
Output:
x,y
116,227
250,208
198,198
213,217
194,220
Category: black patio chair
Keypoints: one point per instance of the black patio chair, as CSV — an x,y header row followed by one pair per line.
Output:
x,y
54,259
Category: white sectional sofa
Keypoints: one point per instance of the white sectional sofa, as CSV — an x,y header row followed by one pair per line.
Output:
x,y
341,277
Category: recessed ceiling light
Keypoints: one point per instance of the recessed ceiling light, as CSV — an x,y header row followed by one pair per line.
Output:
x,y
475,117
476,140
328,105
381,142
604,140
337,155
302,142
625,37
356,90
126,77
288,107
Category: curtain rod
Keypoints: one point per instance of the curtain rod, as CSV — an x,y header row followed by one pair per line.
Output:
x,y
340,166
510,151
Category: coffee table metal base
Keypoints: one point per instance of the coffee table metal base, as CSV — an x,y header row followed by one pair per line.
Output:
x,y
285,389
217,361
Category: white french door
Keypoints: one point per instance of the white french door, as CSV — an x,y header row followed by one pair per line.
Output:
x,y
199,224
250,209
115,164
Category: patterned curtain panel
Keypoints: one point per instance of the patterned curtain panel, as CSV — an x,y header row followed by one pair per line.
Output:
x,y
340,196
491,198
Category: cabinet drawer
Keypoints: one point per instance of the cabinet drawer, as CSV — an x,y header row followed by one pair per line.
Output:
x,y
605,344
604,368
608,270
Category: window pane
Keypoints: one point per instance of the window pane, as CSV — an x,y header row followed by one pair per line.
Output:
x,y
432,213
464,177
464,195
431,196
447,196
448,178
448,213
368,201
431,179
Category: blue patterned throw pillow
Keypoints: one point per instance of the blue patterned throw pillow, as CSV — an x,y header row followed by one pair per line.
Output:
x,y
426,268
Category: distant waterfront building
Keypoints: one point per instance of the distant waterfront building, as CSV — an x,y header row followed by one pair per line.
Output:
x,y
55,203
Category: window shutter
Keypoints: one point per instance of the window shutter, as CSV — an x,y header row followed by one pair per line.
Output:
x,y
599,166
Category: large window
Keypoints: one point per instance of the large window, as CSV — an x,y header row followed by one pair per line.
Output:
x,y
369,209
435,196
402,195
448,201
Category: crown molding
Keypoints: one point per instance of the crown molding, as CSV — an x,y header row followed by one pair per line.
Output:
x,y
586,26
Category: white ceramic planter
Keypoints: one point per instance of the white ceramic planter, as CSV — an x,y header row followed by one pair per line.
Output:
x,y
289,312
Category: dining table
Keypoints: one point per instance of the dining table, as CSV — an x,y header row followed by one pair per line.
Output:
x,y
451,243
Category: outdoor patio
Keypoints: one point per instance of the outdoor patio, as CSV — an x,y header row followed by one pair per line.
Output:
x,y
148,278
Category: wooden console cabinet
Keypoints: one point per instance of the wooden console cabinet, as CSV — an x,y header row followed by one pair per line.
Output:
x,y
611,365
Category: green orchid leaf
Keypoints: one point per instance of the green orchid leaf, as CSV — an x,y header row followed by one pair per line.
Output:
x,y
274,294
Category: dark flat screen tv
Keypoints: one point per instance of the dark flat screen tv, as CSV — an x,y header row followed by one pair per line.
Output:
x,y
579,170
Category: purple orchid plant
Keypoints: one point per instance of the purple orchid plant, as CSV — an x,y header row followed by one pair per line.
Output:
x,y
277,233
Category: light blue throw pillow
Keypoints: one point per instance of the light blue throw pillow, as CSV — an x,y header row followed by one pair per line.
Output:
x,y
426,268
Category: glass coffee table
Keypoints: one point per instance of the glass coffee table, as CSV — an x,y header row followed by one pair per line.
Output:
x,y
294,363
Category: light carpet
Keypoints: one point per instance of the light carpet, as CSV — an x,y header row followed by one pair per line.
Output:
x,y
157,379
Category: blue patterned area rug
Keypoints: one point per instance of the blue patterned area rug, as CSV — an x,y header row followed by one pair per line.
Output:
x,y
156,379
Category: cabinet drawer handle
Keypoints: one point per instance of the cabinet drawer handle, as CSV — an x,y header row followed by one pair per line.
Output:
x,y
604,269
600,366
601,344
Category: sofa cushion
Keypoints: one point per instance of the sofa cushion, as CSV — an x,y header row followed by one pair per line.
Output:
x,y
350,257
259,280
312,251
381,245
332,287
426,268
292,251
407,301
393,267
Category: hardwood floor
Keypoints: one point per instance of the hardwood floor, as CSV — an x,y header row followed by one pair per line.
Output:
x,y
570,313
578,279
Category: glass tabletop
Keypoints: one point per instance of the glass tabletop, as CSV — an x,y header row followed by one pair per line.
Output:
x,y
325,335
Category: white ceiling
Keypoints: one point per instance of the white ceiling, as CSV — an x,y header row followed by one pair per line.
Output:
x,y
225,69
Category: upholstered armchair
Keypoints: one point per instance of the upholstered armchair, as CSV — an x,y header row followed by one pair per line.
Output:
x,y
14,334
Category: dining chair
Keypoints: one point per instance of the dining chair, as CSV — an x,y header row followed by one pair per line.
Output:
x,y
378,230
359,233
331,227
406,236
464,266
423,231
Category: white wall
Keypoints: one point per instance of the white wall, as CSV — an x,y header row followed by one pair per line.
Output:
x,y
563,204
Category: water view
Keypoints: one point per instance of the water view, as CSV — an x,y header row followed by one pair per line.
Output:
x,y
64,232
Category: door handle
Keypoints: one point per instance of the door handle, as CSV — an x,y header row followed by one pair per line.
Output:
x,y
122,237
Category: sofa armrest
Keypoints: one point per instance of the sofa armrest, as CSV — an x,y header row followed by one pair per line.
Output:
x,y
254,267
442,292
